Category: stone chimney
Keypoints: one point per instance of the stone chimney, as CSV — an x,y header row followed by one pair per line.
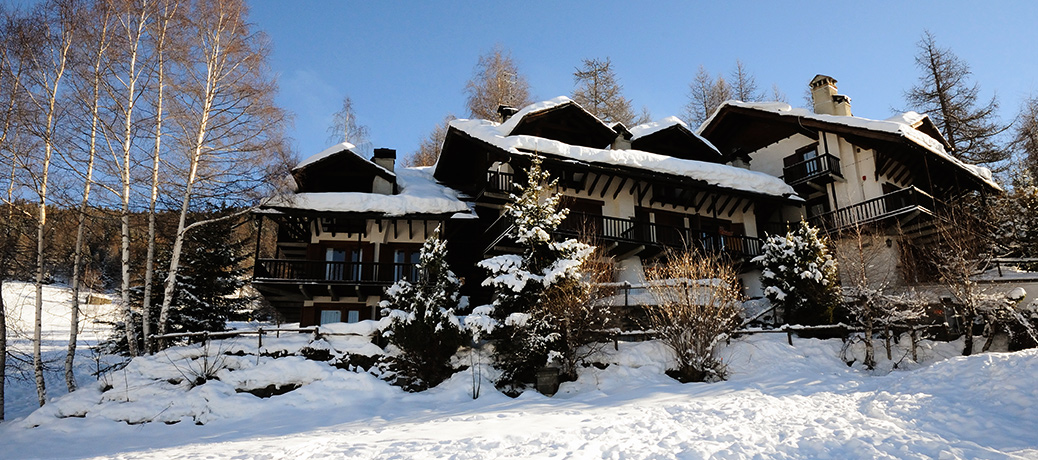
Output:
x,y
825,99
385,158
506,112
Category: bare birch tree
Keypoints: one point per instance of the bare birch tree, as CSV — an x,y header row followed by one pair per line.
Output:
x,y
168,15
227,116
52,23
96,38
344,126
496,81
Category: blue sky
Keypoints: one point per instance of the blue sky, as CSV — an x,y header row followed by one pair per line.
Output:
x,y
405,64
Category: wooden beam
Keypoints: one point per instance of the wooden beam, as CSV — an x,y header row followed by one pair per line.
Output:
x,y
749,204
645,191
594,183
605,188
734,207
700,204
620,187
725,205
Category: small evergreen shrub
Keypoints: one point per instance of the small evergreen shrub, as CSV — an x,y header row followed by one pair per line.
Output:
x,y
799,276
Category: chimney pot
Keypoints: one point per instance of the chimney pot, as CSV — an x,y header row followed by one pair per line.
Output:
x,y
384,158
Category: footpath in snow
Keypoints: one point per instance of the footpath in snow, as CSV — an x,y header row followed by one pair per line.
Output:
x,y
782,401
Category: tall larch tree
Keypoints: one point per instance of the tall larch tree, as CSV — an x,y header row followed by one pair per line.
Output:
x,y
496,81
947,95
600,92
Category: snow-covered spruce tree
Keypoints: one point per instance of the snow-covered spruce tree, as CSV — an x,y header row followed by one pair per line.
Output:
x,y
207,295
525,320
422,322
800,276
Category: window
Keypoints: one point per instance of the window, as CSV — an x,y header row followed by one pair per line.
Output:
x,y
352,316
405,264
333,316
335,259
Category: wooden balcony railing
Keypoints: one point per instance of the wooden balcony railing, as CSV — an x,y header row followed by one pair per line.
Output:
x,y
634,231
813,168
321,271
500,182
876,209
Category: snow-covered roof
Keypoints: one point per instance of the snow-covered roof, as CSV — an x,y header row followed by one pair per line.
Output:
x,y
419,194
711,173
646,129
335,149
901,125
536,107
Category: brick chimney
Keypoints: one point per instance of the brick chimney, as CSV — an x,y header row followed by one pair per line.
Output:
x,y
825,99
384,158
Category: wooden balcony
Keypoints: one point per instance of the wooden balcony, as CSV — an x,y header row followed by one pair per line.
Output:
x,y
319,271
498,187
905,205
627,235
819,170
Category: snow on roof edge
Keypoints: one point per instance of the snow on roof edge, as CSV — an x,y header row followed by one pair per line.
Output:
x,y
713,173
891,125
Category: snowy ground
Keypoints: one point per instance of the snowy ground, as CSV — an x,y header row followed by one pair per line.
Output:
x,y
781,402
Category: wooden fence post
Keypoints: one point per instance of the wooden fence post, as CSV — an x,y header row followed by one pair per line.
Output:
x,y
789,336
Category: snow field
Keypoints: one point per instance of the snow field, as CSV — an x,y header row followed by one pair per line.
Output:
x,y
800,401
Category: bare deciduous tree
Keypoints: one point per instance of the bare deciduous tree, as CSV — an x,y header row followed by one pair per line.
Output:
x,y
945,93
599,92
429,149
705,95
496,81
344,126
697,306
47,37
226,112
744,84
96,39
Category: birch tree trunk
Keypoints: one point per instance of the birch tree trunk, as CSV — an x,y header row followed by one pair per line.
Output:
x,y
77,262
133,24
50,75
169,9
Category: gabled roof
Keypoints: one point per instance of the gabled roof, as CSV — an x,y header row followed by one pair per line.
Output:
x,y
562,120
481,134
419,195
338,169
671,136
740,127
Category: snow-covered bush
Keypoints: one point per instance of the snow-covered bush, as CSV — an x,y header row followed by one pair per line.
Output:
x,y
541,309
422,322
697,306
799,276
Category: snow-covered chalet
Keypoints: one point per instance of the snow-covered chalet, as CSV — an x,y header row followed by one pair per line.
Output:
x,y
354,225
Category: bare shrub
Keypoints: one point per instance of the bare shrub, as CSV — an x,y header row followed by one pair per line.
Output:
x,y
697,307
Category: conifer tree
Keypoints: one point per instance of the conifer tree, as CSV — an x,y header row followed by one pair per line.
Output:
x,y
600,93
422,322
528,330
800,276
945,94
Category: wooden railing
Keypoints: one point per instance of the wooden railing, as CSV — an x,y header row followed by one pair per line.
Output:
x,y
500,182
334,272
875,209
635,231
811,168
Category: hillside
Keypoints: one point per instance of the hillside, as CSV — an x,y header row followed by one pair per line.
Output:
x,y
781,402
